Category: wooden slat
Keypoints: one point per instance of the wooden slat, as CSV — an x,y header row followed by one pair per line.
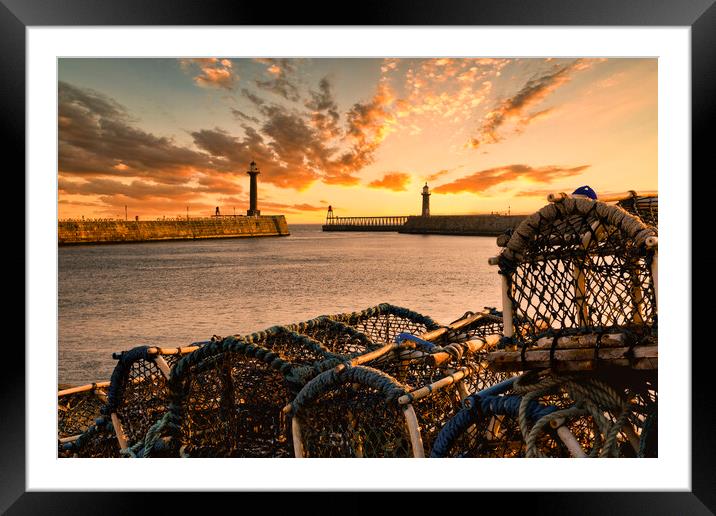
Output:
x,y
435,386
645,357
608,340
472,346
621,196
82,388
434,335
297,438
416,440
119,431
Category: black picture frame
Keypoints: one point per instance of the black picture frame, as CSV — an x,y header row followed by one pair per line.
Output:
x,y
700,15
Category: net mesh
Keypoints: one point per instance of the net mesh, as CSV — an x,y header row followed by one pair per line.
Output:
x,y
335,336
98,440
77,411
228,399
232,408
646,208
384,322
144,398
352,414
490,426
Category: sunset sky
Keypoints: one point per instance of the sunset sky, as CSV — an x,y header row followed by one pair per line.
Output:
x,y
364,135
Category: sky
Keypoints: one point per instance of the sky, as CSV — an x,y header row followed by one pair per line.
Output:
x,y
167,137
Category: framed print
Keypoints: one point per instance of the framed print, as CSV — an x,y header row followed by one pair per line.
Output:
x,y
458,252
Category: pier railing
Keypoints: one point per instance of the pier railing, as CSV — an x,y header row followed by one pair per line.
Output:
x,y
388,223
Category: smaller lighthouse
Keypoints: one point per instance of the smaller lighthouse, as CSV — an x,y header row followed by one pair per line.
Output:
x,y
426,201
253,171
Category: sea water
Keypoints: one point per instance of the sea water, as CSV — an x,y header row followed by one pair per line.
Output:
x,y
115,297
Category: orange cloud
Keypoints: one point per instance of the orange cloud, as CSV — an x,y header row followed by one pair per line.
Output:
x,y
213,72
266,205
396,181
437,175
280,81
97,136
486,179
543,193
515,107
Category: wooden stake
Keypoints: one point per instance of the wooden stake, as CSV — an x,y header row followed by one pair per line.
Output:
x,y
507,328
362,359
70,439
435,386
471,347
416,439
434,335
580,287
567,437
622,196
82,388
655,277
119,431
163,366
171,351
297,439
631,435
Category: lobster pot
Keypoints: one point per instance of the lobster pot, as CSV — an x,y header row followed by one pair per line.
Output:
x,y
335,336
98,440
473,434
481,331
644,207
139,394
137,397
437,393
383,323
227,397
579,267
488,427
354,413
231,407
585,415
78,407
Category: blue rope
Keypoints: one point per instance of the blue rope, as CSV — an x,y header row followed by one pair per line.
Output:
x,y
116,385
484,406
402,337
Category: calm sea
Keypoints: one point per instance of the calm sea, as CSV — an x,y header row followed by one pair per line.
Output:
x,y
116,297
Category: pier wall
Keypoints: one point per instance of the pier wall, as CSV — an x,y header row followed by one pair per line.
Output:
x,y
476,225
113,231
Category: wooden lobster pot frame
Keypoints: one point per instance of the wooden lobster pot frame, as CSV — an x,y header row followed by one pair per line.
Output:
x,y
643,204
579,288
139,393
357,409
353,412
136,397
478,435
464,342
77,409
489,424
384,322
227,397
